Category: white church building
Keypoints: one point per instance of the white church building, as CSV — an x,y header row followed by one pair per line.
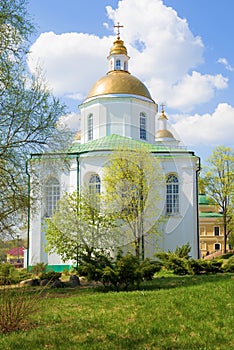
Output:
x,y
119,110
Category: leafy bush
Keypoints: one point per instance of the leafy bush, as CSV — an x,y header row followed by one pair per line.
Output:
x,y
11,275
229,266
183,251
201,266
172,262
124,273
128,271
148,268
39,268
51,276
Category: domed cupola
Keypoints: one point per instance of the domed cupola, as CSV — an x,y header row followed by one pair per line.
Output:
x,y
163,135
118,80
118,57
118,103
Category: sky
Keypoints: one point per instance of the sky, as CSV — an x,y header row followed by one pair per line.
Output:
x,y
182,50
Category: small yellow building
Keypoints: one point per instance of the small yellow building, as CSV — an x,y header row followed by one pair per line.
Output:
x,y
15,256
211,227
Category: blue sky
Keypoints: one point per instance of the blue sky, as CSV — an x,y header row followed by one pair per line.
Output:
x,y
181,49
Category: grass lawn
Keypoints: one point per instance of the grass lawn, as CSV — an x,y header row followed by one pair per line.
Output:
x,y
191,312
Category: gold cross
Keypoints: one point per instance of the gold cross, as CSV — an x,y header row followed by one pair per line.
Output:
x,y
118,26
162,105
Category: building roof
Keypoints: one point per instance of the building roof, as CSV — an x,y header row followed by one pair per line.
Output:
x,y
115,142
16,251
210,215
203,200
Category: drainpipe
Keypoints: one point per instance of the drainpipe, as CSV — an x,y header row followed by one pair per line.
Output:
x,y
77,175
198,231
29,190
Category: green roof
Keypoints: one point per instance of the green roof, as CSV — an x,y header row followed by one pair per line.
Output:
x,y
203,199
115,142
210,215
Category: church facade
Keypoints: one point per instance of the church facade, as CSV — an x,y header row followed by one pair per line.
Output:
x,y
119,111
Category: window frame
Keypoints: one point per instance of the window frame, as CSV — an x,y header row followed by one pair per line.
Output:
x,y
172,195
90,127
52,194
95,184
220,246
118,64
216,233
143,126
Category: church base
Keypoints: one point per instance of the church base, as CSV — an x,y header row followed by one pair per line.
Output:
x,y
55,268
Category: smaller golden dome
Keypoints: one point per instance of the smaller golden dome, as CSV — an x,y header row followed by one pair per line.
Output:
x,y
77,136
164,134
118,48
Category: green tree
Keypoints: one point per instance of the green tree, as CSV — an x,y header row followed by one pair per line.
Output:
x,y
133,180
219,183
28,113
80,226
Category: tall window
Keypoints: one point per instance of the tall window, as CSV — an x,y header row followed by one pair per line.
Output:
x,y
142,126
217,246
52,195
118,65
94,184
172,195
216,230
90,127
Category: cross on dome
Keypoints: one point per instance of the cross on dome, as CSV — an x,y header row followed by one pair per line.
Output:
x,y
118,32
162,105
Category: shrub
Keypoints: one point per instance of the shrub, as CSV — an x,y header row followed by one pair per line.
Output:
x,y
201,266
16,308
128,270
179,266
229,266
148,268
39,268
11,275
50,276
183,251
172,262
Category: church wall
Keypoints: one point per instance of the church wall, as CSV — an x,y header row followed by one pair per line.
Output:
x,y
118,115
37,240
182,228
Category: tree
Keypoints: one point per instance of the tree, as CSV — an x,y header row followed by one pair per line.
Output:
x,y
80,226
28,114
133,181
219,182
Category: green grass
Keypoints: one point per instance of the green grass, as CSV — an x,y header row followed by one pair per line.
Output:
x,y
190,313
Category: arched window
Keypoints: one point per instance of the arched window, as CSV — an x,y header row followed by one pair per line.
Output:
x,y
172,195
52,195
118,65
142,126
90,127
94,184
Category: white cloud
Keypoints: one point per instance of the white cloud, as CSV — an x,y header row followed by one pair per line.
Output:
x,y
71,121
162,48
71,61
207,129
225,63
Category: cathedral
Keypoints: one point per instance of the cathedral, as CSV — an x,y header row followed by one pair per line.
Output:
x,y
119,111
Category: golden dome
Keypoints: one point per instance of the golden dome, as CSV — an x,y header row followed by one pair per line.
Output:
x,y
164,134
118,48
77,136
119,82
